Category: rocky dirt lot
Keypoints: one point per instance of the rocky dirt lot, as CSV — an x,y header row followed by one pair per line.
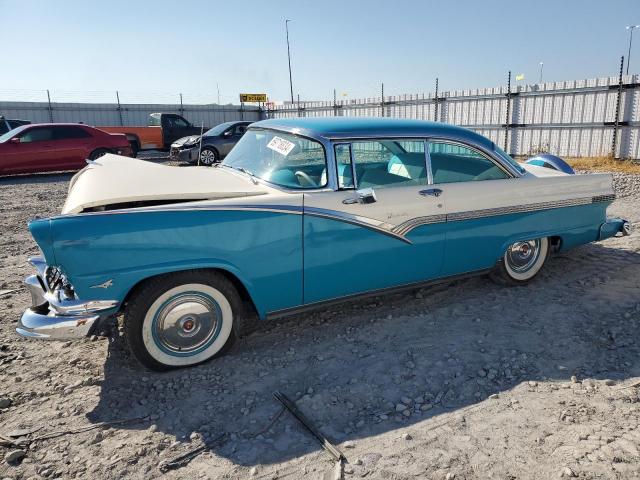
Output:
x,y
467,381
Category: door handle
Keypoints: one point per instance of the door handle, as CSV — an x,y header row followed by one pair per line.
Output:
x,y
431,192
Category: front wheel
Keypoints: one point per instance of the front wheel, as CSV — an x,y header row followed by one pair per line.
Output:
x,y
181,319
521,262
208,156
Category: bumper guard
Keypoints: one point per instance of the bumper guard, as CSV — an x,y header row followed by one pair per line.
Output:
x,y
54,317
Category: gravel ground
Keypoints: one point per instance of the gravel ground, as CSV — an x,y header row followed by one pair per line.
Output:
x,y
465,381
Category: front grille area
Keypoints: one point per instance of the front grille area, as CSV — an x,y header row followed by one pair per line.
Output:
x,y
54,278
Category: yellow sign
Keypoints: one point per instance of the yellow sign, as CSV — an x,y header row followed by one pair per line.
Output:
x,y
253,97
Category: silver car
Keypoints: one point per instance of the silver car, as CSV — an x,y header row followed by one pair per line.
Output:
x,y
216,144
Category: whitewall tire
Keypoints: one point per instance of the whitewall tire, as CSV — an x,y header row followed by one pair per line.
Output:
x,y
182,319
521,262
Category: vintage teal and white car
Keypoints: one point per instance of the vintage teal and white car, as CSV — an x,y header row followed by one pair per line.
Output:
x,y
301,213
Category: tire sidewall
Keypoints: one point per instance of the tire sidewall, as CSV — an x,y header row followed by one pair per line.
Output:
x,y
214,347
142,307
524,277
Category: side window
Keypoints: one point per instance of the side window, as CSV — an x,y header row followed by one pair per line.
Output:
x,y
180,122
389,163
240,130
451,163
36,135
343,165
68,133
3,127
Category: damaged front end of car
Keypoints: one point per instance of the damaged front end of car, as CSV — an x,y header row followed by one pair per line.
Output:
x,y
185,149
56,313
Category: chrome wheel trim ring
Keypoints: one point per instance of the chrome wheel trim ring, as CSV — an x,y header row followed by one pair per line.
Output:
x,y
187,323
207,156
206,351
522,256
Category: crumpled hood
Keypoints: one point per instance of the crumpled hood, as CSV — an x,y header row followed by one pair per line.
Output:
x,y
114,179
190,140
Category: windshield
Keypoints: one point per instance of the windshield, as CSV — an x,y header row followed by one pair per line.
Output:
x,y
281,158
12,133
218,129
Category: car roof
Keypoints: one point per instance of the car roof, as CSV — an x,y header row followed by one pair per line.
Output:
x,y
58,125
366,127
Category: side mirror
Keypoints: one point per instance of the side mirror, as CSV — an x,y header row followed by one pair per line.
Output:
x,y
14,140
363,196
228,133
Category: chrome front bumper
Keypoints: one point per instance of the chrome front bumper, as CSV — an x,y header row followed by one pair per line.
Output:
x,y
54,317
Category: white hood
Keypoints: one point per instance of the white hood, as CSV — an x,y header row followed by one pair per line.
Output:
x,y
113,179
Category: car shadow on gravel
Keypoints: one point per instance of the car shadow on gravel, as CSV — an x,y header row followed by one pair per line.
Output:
x,y
390,362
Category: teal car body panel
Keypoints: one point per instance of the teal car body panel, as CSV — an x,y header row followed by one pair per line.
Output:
x,y
262,249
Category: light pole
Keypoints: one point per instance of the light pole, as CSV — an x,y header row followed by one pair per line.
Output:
x,y
541,67
630,28
286,26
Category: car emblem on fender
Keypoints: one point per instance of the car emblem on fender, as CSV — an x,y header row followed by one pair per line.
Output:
x,y
106,284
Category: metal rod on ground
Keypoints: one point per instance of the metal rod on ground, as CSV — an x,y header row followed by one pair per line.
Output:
x,y
616,122
50,108
506,123
119,108
200,149
326,444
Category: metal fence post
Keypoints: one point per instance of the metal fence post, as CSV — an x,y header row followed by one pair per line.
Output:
x,y
335,104
241,110
506,123
119,108
50,108
616,122
181,108
435,106
382,100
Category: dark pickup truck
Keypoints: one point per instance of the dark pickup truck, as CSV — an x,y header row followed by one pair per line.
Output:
x,y
7,124
163,129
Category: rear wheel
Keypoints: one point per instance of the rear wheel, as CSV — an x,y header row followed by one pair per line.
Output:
x,y
181,319
97,153
521,262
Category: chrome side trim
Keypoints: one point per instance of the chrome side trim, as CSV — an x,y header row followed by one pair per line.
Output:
x,y
532,207
406,227
603,198
366,222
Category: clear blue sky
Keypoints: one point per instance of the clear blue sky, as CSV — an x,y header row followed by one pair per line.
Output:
x,y
150,49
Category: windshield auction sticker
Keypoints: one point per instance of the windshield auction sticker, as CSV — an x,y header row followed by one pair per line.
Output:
x,y
280,145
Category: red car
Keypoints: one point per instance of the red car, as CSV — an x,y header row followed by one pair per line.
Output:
x,y
56,146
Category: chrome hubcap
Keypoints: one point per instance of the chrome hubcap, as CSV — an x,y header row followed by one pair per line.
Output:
x,y
187,322
521,256
207,157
